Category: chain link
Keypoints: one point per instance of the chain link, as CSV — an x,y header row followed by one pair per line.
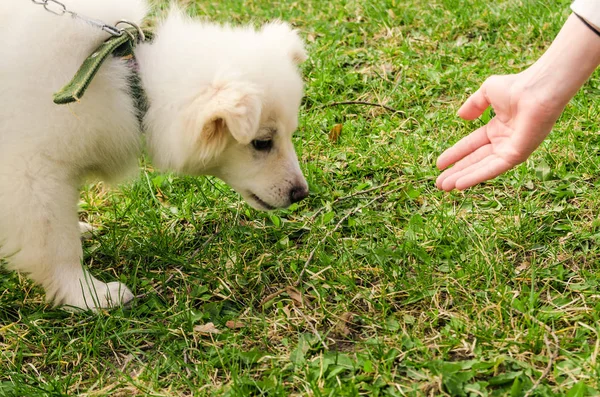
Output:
x,y
57,8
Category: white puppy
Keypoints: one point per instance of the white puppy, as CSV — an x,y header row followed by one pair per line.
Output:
x,y
222,101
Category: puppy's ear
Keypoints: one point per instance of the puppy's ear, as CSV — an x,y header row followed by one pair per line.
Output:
x,y
224,108
282,34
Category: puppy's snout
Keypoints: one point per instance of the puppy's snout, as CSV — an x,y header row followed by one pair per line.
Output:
x,y
298,193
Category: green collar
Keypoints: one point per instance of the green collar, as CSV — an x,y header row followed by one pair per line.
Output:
x,y
119,46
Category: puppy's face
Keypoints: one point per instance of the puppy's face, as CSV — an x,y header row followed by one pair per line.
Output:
x,y
265,170
239,128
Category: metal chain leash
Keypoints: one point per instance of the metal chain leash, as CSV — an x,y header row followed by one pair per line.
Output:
x,y
57,8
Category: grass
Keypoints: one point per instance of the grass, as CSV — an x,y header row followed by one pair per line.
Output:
x,y
378,284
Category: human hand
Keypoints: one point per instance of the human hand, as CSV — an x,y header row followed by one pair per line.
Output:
x,y
526,105
524,117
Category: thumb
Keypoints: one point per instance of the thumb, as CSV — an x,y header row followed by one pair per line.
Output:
x,y
475,105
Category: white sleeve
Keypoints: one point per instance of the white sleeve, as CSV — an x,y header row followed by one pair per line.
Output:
x,y
588,10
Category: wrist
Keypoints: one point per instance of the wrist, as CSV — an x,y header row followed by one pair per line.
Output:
x,y
568,62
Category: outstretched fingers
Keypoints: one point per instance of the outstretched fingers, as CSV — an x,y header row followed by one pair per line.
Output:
x,y
474,172
466,146
447,179
488,169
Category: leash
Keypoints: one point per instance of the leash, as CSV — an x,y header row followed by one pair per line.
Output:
x,y
121,43
57,8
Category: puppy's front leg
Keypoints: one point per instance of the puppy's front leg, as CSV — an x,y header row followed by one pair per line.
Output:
x,y
40,236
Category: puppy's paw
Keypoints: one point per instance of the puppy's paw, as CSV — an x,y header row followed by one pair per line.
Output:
x,y
117,294
86,230
93,294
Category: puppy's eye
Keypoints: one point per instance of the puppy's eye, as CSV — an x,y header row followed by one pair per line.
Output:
x,y
262,144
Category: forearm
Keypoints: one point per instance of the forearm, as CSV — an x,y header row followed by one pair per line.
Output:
x,y
568,62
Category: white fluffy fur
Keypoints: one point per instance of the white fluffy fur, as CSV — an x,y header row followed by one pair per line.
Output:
x,y
212,91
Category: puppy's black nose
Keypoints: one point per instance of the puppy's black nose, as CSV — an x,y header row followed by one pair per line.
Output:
x,y
298,193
